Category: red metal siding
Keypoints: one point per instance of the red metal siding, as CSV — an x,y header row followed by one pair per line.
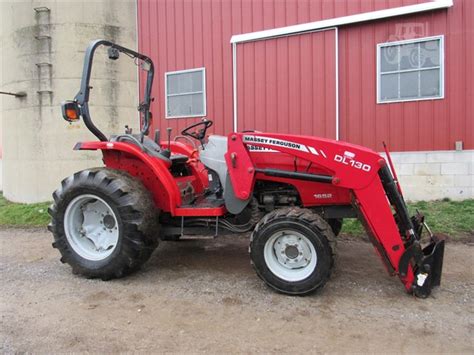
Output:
x,y
189,34
409,126
284,81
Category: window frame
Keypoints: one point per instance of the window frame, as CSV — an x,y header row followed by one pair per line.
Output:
x,y
204,96
409,41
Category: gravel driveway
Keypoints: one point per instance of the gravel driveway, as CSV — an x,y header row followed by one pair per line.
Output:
x,y
203,296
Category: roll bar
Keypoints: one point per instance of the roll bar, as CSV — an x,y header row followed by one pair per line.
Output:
x,y
82,97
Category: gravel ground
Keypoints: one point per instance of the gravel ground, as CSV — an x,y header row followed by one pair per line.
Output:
x,y
203,296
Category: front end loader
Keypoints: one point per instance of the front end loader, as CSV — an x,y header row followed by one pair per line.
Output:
x,y
290,192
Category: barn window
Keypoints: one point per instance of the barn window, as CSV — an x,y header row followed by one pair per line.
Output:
x,y
410,70
185,92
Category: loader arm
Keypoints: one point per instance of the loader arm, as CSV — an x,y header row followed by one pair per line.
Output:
x,y
380,205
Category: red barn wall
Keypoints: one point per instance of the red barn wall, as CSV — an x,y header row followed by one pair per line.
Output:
x,y
283,82
410,126
180,34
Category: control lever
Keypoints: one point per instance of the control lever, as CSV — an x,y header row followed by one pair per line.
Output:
x,y
169,129
167,152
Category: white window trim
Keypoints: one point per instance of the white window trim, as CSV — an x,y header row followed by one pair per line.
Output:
x,y
415,40
203,70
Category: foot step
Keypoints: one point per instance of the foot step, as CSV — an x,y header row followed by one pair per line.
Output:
x,y
197,237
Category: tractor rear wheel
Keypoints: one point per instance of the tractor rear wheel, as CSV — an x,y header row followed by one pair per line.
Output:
x,y
104,223
292,250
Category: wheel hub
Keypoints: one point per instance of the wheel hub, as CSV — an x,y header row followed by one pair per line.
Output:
x,y
292,251
290,255
109,221
91,227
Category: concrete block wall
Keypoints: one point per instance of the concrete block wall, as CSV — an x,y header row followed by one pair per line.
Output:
x,y
436,175
37,142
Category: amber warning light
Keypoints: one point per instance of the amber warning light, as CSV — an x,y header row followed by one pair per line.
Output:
x,y
70,111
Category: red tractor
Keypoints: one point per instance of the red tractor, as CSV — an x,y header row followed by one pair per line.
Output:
x,y
291,192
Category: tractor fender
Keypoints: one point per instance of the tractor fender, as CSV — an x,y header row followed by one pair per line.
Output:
x,y
179,148
160,184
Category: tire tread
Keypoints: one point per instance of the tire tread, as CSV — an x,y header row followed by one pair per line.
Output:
x,y
310,218
137,212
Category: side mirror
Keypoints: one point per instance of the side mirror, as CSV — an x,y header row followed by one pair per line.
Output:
x,y
70,111
113,53
145,65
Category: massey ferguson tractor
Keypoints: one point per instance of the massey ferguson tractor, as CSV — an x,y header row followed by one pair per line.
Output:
x,y
291,192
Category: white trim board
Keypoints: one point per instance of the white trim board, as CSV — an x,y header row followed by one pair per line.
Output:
x,y
340,21
234,85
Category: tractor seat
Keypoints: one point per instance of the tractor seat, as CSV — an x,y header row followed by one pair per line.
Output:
x,y
178,159
148,146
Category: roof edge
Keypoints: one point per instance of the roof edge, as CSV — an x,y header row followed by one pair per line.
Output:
x,y
340,21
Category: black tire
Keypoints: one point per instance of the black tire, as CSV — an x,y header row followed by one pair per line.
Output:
x,y
137,219
336,225
307,223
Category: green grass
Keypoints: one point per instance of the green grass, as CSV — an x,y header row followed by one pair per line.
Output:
x,y
453,218
23,215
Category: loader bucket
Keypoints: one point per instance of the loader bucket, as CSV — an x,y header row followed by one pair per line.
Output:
x,y
433,255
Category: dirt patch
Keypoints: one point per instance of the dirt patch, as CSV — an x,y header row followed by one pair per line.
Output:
x,y
203,296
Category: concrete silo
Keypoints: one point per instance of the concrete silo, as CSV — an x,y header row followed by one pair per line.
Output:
x,y
42,49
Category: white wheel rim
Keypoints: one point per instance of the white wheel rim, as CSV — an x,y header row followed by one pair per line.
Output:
x,y
91,227
290,255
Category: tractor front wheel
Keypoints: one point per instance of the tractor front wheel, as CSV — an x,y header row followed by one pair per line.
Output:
x,y
104,223
292,250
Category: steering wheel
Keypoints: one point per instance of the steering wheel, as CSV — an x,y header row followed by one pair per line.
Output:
x,y
198,134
